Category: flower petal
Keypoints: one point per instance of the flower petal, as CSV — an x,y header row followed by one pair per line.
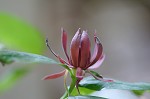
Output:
x,y
85,50
75,47
53,76
64,42
98,49
98,63
62,60
50,48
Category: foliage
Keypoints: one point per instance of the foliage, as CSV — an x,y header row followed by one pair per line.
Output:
x,y
18,35
7,57
85,97
93,84
89,84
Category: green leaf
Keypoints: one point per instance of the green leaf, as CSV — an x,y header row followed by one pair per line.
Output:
x,y
93,84
96,74
7,57
83,91
20,35
85,97
11,77
138,92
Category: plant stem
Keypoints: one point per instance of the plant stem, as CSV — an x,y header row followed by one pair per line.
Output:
x,y
72,85
65,84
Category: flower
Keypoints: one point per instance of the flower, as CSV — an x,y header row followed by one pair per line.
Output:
x,y
80,54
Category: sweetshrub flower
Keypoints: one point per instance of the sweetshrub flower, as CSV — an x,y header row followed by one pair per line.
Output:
x,y
80,54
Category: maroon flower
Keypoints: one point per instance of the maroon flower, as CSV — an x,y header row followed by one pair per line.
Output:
x,y
80,54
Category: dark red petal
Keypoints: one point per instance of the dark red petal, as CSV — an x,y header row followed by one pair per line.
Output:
x,y
85,50
74,47
50,48
98,49
62,60
54,76
98,63
64,42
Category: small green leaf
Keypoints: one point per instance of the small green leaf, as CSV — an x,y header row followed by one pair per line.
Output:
x,y
11,77
83,91
138,92
85,97
7,57
96,74
93,84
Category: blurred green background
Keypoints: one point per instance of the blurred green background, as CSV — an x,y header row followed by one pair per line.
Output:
x,y
122,25
16,34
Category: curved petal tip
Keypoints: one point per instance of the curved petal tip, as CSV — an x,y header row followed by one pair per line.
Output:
x,y
54,76
98,63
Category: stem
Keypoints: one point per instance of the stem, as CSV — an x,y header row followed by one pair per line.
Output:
x,y
72,85
65,84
